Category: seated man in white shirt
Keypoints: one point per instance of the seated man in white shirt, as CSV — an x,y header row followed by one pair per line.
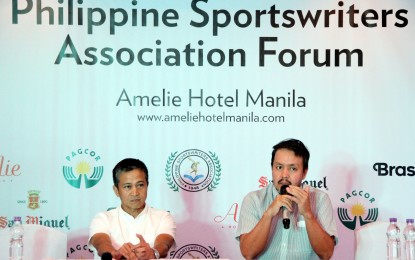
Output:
x,y
133,230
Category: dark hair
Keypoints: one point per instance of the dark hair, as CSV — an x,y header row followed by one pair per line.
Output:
x,y
127,165
299,149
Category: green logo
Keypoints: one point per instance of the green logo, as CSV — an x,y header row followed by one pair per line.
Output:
x,y
357,205
83,162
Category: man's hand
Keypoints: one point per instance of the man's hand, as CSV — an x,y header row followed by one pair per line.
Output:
x,y
280,201
301,198
142,250
127,251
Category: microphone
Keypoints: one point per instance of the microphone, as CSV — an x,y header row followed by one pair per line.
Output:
x,y
106,256
285,218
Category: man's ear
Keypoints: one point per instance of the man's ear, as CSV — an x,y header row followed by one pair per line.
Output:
x,y
115,190
305,174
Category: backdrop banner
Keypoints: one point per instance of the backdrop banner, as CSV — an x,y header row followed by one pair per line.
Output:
x,y
200,91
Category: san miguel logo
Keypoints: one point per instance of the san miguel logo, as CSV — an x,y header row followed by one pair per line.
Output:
x,y
83,162
37,220
318,184
33,200
193,170
194,251
357,205
263,182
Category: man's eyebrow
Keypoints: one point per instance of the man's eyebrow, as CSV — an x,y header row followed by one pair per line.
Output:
x,y
290,164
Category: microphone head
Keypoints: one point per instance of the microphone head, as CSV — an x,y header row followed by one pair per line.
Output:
x,y
286,223
106,256
284,190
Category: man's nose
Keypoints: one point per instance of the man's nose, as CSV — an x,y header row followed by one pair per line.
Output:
x,y
285,172
135,190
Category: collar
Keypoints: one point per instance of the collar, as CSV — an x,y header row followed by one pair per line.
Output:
x,y
128,216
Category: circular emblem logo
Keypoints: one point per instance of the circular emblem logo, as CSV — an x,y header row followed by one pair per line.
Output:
x,y
193,170
194,251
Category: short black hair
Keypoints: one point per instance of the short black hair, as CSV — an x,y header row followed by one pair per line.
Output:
x,y
299,149
127,165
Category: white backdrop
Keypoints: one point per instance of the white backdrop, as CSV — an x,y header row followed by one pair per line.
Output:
x,y
64,117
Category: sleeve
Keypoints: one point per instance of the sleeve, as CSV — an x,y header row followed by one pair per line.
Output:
x,y
326,216
248,216
99,224
167,225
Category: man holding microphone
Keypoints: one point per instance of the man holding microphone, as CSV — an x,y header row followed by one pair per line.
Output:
x,y
312,232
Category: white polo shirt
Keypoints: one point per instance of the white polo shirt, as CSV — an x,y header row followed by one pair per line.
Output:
x,y
122,227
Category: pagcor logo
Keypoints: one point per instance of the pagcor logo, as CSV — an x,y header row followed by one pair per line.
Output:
x,y
357,204
383,169
83,163
78,249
